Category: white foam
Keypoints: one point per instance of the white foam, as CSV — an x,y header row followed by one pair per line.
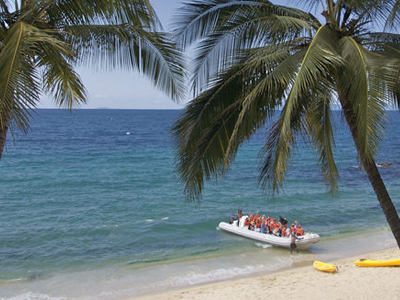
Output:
x,y
263,245
33,296
194,278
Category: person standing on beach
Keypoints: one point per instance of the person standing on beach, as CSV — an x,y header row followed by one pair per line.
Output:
x,y
293,242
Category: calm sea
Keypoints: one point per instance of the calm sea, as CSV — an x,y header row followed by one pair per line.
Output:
x,y
92,209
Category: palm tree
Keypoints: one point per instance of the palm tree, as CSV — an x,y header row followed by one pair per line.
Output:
x,y
254,58
42,41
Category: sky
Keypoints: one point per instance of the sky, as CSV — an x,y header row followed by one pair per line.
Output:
x,y
129,90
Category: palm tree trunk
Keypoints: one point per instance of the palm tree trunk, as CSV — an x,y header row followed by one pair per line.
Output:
x,y
4,124
373,174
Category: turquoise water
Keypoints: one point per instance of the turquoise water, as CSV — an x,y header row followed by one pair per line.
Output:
x,y
91,208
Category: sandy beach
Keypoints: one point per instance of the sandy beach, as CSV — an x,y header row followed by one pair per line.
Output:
x,y
350,282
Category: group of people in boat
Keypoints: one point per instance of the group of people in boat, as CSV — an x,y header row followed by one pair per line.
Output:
x,y
269,225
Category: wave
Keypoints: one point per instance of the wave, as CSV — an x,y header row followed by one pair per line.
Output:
x,y
262,245
33,296
194,278
153,220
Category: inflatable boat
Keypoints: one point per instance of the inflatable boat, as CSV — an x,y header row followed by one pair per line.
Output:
x,y
302,242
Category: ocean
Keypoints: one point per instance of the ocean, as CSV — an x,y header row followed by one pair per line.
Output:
x,y
91,208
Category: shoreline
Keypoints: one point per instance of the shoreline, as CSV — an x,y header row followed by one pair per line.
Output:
x,y
301,281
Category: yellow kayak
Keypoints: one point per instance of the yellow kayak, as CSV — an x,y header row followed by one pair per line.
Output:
x,y
377,263
324,267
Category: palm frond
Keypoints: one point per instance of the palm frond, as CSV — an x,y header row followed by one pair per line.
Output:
x,y
61,80
393,15
319,127
223,47
202,134
228,27
214,125
317,62
4,6
120,33
196,19
100,12
19,91
355,87
380,41
133,48
268,73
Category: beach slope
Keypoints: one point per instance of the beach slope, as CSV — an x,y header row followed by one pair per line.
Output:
x,y
351,282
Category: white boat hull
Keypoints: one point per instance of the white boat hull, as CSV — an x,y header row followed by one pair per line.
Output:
x,y
304,242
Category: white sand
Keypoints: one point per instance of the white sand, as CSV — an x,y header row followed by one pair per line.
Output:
x,y
351,282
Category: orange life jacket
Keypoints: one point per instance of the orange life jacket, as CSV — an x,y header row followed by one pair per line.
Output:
x,y
300,231
284,234
258,223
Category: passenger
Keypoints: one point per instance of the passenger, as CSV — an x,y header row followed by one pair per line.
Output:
x,y
252,218
280,229
269,231
276,229
299,231
272,225
263,227
292,229
284,233
263,218
251,226
258,225
287,232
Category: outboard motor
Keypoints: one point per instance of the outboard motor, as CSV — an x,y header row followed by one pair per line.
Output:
x,y
233,218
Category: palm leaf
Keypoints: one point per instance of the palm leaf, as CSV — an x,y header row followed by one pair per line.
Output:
x,y
60,79
19,90
115,34
230,26
354,86
319,127
221,48
132,48
268,74
317,61
202,133
205,130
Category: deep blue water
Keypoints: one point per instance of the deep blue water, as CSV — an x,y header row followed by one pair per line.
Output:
x,y
95,192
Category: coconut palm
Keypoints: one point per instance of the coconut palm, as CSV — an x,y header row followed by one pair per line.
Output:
x,y
42,42
253,58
